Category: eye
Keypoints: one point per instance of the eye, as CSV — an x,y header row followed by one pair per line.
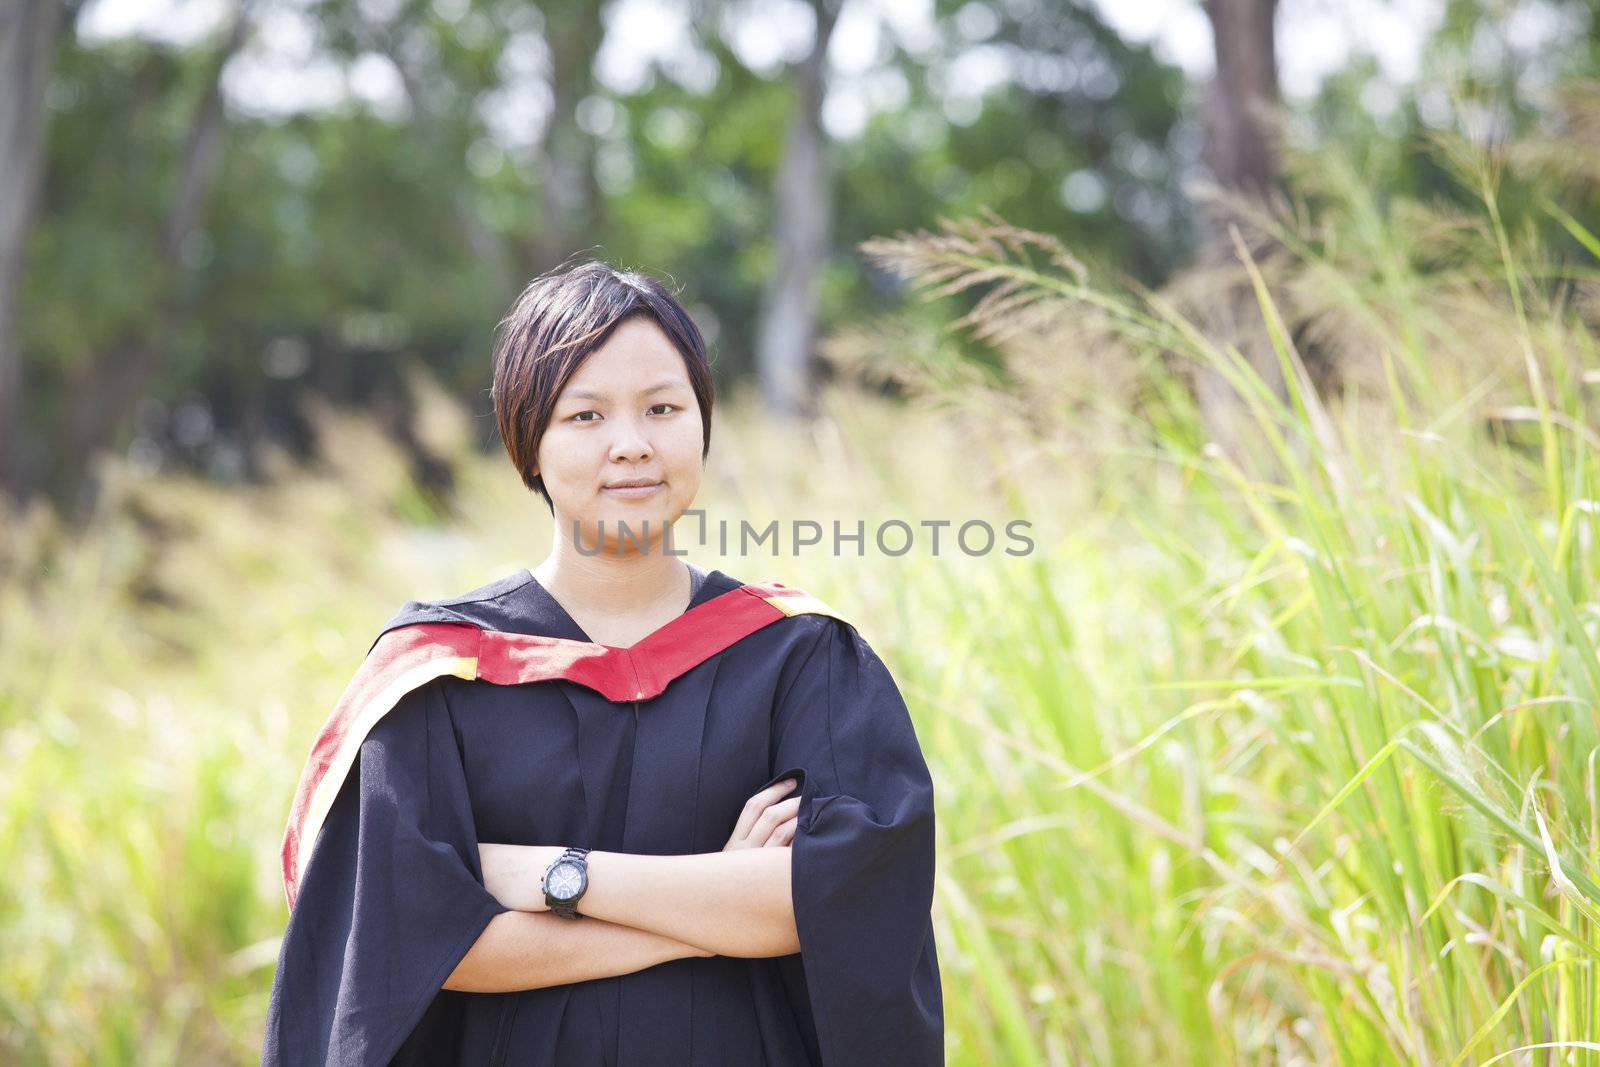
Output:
x,y
579,417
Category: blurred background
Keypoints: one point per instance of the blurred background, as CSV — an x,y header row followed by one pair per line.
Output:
x,y
1275,320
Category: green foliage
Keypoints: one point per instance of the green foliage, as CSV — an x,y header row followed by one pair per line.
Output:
x,y
366,239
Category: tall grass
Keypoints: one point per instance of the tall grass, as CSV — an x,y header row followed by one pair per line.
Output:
x,y
1294,767
1279,757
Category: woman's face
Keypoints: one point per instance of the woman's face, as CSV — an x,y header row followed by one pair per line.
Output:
x,y
627,414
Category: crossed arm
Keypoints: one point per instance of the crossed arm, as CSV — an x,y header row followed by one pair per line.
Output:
x,y
639,910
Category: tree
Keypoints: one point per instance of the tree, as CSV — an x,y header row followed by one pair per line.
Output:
x,y
1241,154
570,201
28,31
104,389
802,230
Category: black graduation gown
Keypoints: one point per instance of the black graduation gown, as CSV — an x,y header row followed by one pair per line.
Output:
x,y
393,897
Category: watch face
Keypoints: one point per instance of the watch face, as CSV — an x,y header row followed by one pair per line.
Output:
x,y
566,879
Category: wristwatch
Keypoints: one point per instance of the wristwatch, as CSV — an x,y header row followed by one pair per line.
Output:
x,y
565,880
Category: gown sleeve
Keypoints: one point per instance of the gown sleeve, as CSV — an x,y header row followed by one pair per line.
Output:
x,y
863,857
391,900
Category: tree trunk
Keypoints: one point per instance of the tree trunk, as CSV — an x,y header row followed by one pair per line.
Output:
x,y
569,194
804,214
104,391
1239,148
28,33
1241,153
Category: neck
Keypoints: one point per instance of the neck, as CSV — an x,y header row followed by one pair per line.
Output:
x,y
611,584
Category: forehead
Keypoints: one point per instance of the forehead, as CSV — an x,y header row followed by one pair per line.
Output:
x,y
637,354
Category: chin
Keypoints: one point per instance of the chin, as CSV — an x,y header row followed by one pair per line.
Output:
x,y
640,520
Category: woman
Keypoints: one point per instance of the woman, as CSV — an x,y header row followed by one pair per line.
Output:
x,y
616,809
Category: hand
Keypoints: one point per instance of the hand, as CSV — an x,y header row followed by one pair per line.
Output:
x,y
766,821
514,874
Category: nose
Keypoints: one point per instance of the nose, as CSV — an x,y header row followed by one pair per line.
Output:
x,y
630,443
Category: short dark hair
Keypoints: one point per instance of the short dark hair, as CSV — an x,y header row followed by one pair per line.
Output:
x,y
554,325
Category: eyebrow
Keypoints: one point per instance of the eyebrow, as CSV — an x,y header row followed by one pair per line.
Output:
x,y
670,383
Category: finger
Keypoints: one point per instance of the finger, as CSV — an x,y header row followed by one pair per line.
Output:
x,y
773,817
783,834
757,804
782,811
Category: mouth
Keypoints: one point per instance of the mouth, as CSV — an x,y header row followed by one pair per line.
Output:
x,y
630,490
